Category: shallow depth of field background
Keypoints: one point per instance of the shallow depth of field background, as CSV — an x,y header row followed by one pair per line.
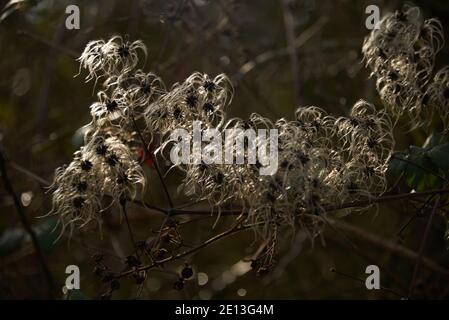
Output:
x,y
42,105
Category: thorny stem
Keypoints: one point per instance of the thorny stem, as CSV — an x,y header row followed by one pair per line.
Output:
x,y
23,218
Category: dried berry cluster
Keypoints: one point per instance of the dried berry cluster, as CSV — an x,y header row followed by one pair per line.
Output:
x,y
401,55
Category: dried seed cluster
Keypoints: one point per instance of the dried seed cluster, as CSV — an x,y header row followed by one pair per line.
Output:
x,y
401,55
324,161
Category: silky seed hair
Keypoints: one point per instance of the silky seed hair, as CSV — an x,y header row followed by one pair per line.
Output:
x,y
323,161
401,55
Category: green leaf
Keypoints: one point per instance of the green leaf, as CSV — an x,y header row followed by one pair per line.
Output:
x,y
433,140
47,234
440,156
11,240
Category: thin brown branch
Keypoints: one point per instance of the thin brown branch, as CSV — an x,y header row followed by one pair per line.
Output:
x,y
23,219
267,56
289,25
391,246
156,166
422,248
206,243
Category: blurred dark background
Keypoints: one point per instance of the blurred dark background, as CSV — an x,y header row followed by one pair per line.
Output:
x,y
43,106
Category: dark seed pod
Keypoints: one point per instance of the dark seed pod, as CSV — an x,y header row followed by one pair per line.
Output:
x,y
425,99
115,284
98,271
209,86
111,106
98,257
112,160
179,284
160,253
132,261
107,277
187,272
78,202
446,93
191,100
86,165
123,51
101,149
81,186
